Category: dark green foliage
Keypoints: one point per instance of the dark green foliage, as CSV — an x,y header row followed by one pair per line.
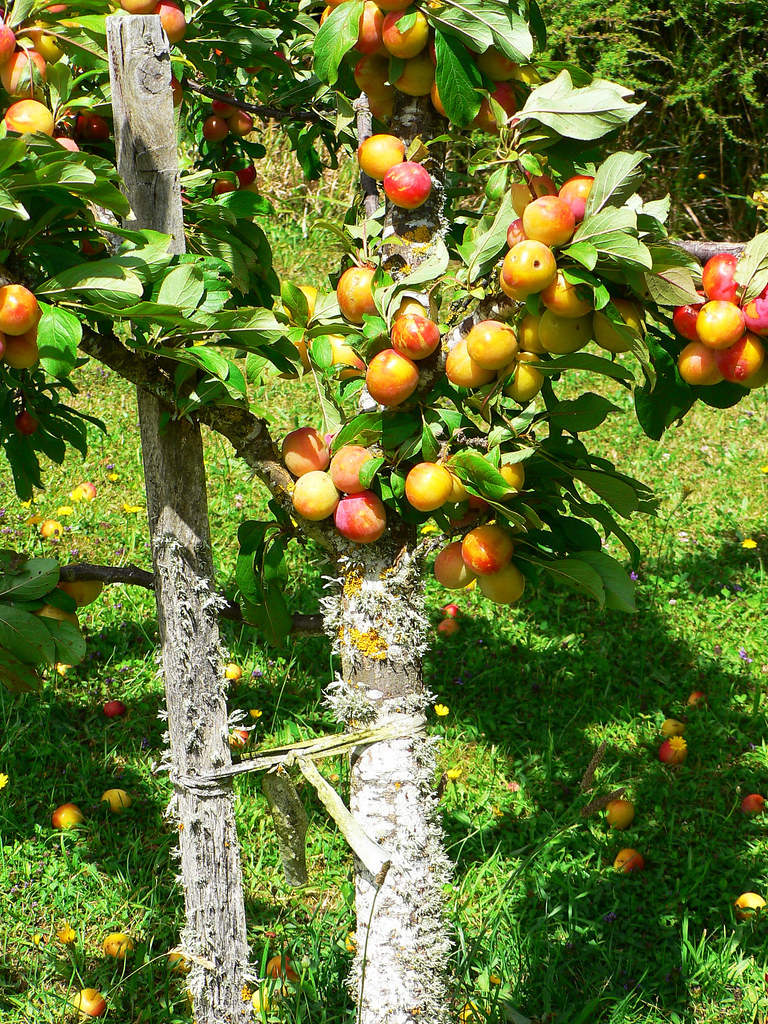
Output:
x,y
702,70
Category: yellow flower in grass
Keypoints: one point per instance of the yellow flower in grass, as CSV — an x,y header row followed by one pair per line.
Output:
x,y
763,469
66,935
701,176
255,713
34,520
3,780
441,710
112,477
454,773
64,510
749,543
132,508
494,979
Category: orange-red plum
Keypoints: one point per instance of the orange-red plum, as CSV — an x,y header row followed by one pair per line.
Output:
x,y
315,496
491,344
550,220
487,549
428,486
450,568
361,517
304,451
408,185
346,465
415,336
391,378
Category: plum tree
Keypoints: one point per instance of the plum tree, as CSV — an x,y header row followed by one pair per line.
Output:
x,y
430,415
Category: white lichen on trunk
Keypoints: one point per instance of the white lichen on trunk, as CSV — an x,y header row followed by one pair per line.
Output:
x,y
379,629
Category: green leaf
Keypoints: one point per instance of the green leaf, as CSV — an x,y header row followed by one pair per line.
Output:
x,y
607,222
621,247
70,643
458,80
294,302
586,361
26,580
25,635
270,616
586,412
615,492
250,538
480,24
17,676
261,574
752,268
488,247
432,269
616,179
584,253
102,281
471,468
10,208
577,574
579,113
430,446
12,149
321,352
183,287
389,429
369,469
658,407
619,588
59,333
335,38
674,286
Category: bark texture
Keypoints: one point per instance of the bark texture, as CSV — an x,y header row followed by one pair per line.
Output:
x,y
187,603
403,945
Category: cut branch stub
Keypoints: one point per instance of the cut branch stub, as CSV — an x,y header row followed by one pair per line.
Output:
x,y
290,820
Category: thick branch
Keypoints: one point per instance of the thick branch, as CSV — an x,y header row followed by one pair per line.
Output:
x,y
303,625
275,113
248,434
371,198
703,251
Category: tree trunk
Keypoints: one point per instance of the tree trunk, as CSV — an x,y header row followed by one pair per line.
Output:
x,y
403,941
403,944
187,604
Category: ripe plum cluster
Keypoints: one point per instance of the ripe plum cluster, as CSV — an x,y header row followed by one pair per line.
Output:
x,y
724,335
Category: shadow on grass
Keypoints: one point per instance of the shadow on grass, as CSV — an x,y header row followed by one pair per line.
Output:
x,y
532,694
541,695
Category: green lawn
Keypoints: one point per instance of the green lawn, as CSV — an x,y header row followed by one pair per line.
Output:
x,y
546,929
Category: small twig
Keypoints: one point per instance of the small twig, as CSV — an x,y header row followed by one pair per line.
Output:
x,y
588,777
275,113
602,801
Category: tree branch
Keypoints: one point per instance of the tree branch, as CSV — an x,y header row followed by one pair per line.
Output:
x,y
303,625
276,113
371,197
248,434
703,251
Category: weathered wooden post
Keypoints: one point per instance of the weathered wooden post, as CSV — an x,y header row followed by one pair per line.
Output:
x,y
147,159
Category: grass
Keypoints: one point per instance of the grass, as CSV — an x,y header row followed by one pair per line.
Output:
x,y
546,930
